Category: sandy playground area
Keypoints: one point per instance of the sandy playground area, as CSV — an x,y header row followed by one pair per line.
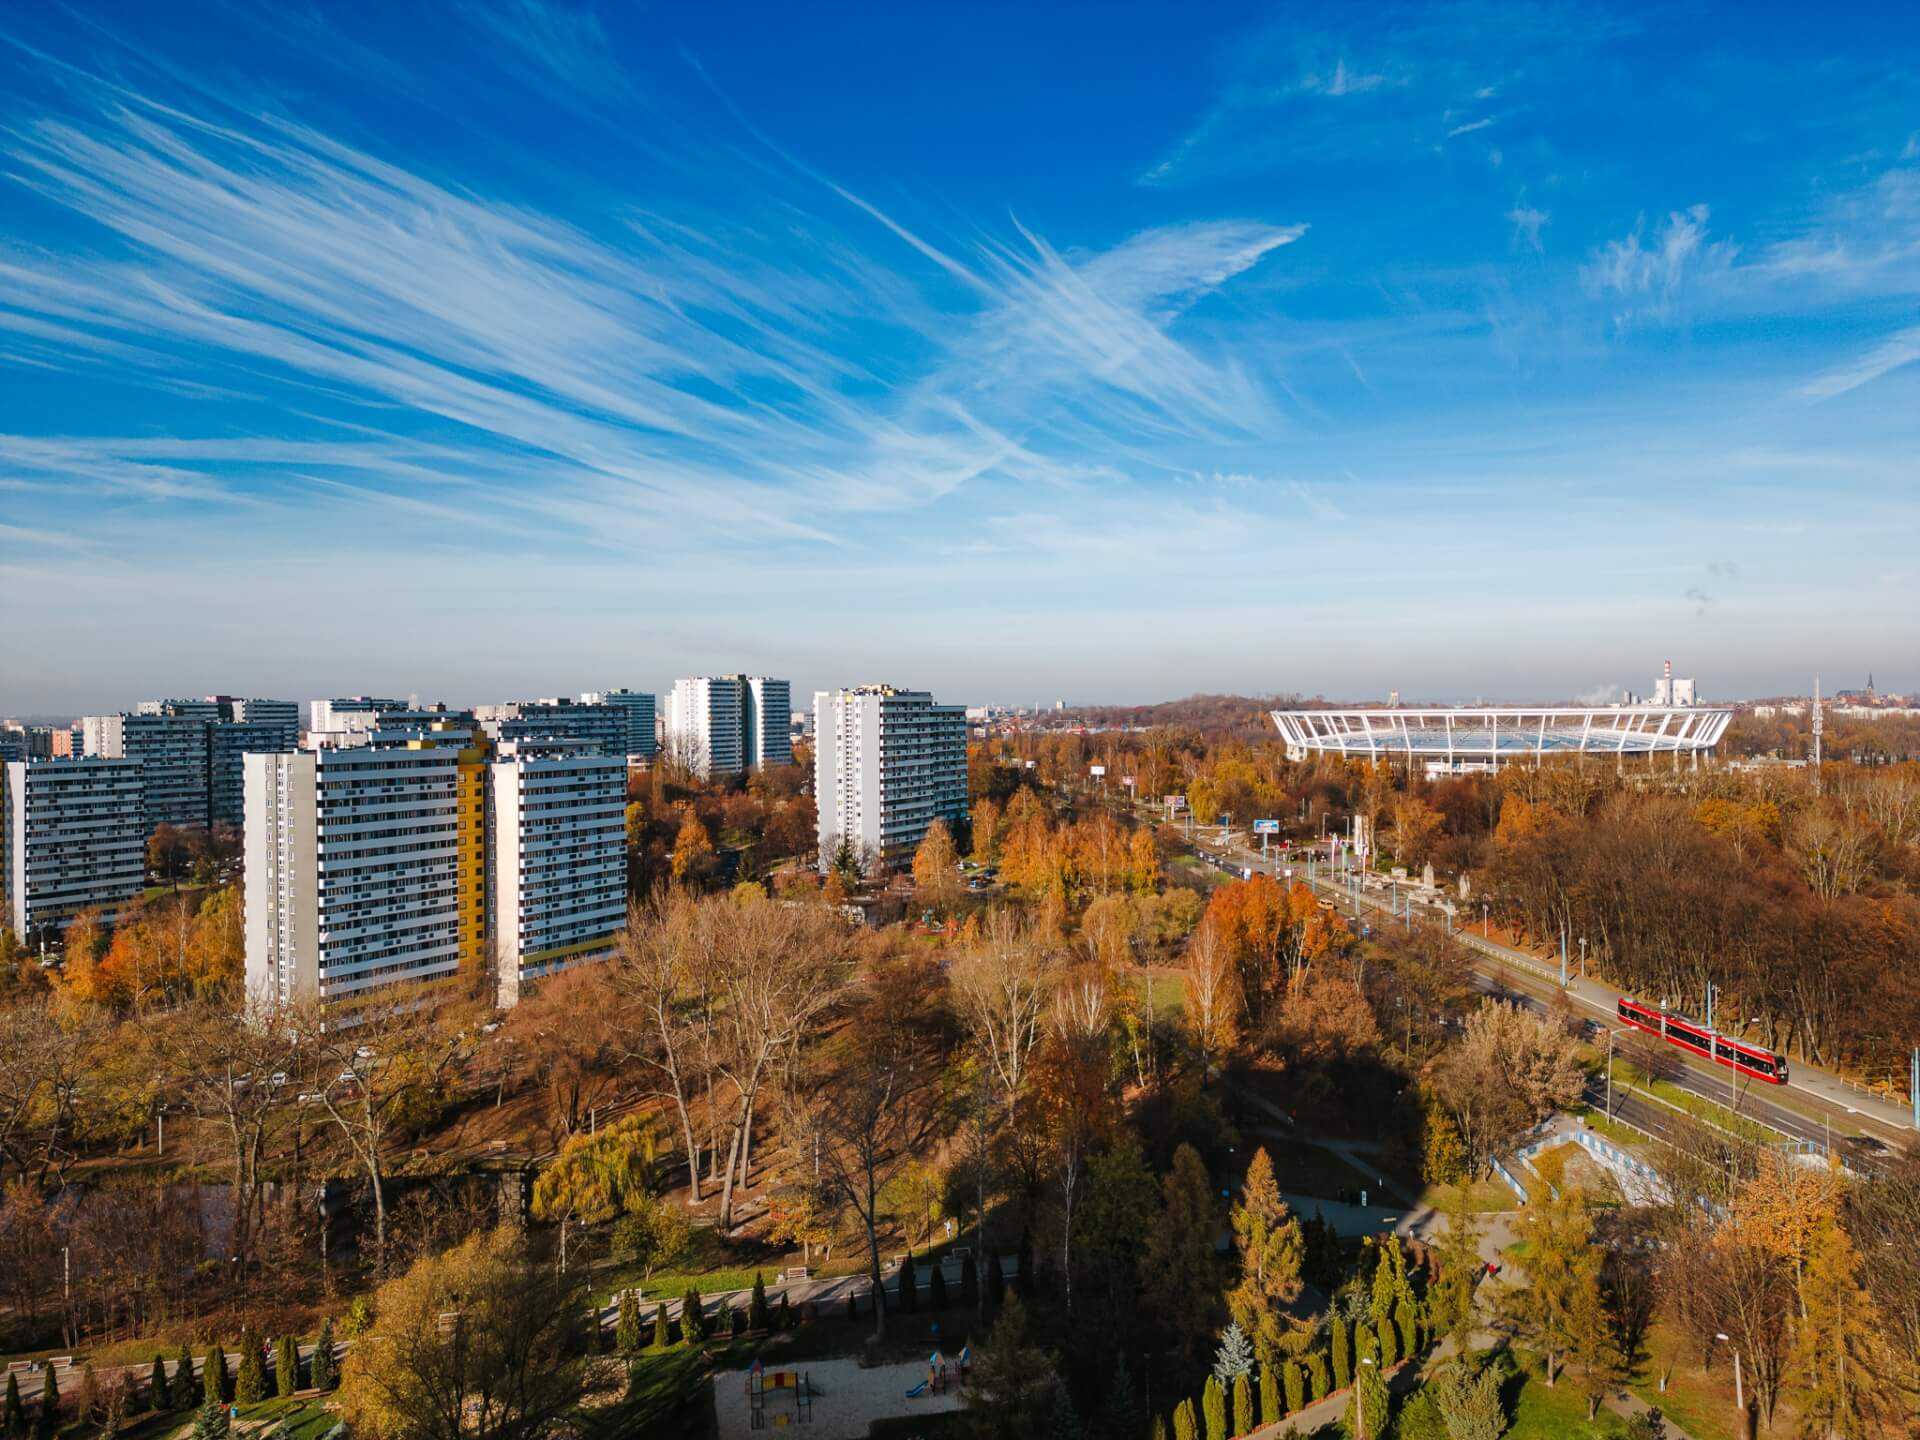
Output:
x,y
846,1400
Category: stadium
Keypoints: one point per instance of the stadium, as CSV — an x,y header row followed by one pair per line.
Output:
x,y
1451,741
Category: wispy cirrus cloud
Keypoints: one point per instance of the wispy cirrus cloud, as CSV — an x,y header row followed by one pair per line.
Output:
x,y
595,382
1891,354
1643,273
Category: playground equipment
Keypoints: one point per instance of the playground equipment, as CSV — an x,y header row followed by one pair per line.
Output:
x,y
938,1378
795,1382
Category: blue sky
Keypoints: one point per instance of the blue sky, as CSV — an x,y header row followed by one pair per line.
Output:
x,y
1109,351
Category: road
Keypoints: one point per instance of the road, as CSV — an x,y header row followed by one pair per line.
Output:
x,y
1815,1106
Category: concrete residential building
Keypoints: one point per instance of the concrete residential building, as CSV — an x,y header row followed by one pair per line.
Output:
x,y
768,729
365,868
601,728
169,739
72,835
706,724
557,860
349,712
723,724
229,742
887,764
640,708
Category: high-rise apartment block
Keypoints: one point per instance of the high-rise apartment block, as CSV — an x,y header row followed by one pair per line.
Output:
x,y
364,868
602,729
887,764
422,855
723,724
189,751
557,860
72,835
640,708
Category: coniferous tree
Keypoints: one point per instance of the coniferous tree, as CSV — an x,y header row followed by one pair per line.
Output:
x,y
212,1422
736,1321
1066,1415
1213,1403
626,1327
1840,1355
1406,1320
1563,1277
323,1366
661,1337
937,1288
1184,1427
757,1316
693,1316
786,1311
909,1287
1388,1343
1367,1410
1234,1357
1272,1408
1294,1381
1120,1415
182,1390
250,1387
1342,1354
1317,1375
13,1415
286,1366
158,1390
996,1283
87,1401
1159,1431
47,1421
1244,1420
214,1381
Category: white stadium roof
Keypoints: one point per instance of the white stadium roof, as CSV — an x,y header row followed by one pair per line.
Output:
x,y
1490,736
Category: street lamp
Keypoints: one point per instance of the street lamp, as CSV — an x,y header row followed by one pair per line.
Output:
x,y
1739,1394
1612,1035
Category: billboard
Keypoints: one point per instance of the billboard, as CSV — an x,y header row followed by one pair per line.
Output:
x,y
1266,827
1097,771
1176,802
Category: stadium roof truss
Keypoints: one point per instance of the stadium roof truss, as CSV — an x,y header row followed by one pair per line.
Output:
x,y
1486,737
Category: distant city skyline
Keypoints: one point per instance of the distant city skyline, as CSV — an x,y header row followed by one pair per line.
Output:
x,y
484,352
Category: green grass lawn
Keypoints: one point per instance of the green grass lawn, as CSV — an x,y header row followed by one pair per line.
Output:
x,y
1624,1072
1556,1412
1314,1170
1700,1404
1484,1197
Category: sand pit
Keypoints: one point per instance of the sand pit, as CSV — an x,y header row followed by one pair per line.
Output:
x,y
846,1400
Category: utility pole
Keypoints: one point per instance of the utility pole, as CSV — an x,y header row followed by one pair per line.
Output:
x,y
1818,727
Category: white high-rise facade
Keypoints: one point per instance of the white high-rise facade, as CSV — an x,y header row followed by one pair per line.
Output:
x,y
357,864
557,861
72,836
706,724
723,724
887,764
769,721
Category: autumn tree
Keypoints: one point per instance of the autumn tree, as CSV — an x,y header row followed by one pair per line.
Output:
x,y
477,1343
1511,1068
694,861
596,1178
936,866
1840,1357
1552,1312
1213,1006
664,973
1271,1248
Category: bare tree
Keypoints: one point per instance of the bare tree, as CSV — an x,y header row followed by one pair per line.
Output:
x,y
778,968
235,1073
657,972
1002,988
868,1103
380,1070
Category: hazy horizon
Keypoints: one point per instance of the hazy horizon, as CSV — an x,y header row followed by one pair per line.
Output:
x,y
488,351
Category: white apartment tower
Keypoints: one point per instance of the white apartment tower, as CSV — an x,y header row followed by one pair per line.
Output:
x,y
72,835
557,860
638,706
769,721
723,724
887,764
362,869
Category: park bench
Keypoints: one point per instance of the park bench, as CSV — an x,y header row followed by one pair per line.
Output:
x,y
796,1272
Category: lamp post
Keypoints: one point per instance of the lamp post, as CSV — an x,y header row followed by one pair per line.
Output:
x,y
1739,1392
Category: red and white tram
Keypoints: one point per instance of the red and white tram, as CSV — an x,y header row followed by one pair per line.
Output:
x,y
1748,1059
